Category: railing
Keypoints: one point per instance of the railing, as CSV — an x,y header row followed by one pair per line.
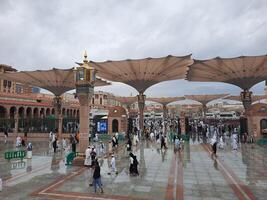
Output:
x,y
15,154
70,125
7,124
37,125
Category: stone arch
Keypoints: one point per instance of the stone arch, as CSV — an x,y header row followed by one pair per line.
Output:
x,y
35,112
42,112
3,112
53,111
263,126
78,113
28,112
68,112
21,112
93,100
47,112
12,112
115,126
71,112
74,113
63,111
101,101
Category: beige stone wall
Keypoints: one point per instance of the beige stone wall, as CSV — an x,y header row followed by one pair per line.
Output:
x,y
254,125
122,124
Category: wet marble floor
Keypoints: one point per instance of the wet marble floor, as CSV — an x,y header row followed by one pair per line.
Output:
x,y
190,174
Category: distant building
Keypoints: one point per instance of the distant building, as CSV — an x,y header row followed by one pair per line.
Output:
x,y
11,87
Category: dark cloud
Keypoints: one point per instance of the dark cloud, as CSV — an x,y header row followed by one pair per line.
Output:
x,y
41,35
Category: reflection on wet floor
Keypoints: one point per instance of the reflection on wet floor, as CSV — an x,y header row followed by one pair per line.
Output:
x,y
191,174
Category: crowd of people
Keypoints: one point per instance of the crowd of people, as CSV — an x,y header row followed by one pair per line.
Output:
x,y
158,132
217,134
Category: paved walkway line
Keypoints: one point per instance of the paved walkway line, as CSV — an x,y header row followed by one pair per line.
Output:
x,y
22,174
169,195
90,196
49,191
180,178
241,191
60,182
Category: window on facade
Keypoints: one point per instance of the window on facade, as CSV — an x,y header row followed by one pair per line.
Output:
x,y
18,89
100,101
96,96
5,83
9,83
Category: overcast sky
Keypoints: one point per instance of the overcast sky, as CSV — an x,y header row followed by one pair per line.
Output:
x,y
42,34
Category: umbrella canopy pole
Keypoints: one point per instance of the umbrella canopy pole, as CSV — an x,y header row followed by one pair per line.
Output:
x,y
246,98
84,94
141,105
58,106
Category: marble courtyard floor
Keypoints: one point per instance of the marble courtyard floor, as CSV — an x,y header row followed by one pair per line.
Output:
x,y
190,174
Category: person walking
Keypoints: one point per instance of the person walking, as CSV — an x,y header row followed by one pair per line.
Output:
x,y
97,177
93,156
102,148
221,143
18,141
64,144
73,142
6,133
213,143
163,142
29,150
129,145
133,165
88,160
50,135
55,145
113,164
114,142
177,143
234,143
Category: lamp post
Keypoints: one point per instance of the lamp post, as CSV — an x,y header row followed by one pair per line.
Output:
x,y
85,77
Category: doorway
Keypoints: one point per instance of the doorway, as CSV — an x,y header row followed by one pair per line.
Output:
x,y
115,126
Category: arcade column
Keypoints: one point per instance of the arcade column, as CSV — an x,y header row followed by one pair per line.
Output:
x,y
16,122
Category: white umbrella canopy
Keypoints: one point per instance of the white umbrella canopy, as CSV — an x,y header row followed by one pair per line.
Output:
x,y
143,73
243,71
165,100
254,97
57,81
204,99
